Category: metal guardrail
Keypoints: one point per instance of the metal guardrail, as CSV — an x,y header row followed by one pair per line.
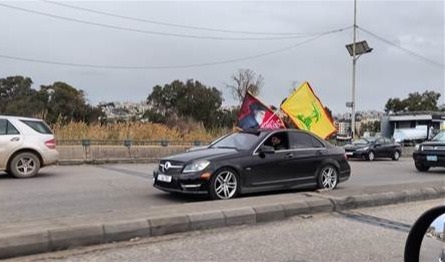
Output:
x,y
129,143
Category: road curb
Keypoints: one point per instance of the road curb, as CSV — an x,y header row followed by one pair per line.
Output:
x,y
75,236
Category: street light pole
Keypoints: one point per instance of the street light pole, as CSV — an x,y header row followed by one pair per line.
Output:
x,y
355,50
354,61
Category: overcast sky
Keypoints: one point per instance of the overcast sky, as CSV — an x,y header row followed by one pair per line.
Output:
x,y
389,71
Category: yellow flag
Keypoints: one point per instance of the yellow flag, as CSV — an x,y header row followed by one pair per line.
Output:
x,y
307,113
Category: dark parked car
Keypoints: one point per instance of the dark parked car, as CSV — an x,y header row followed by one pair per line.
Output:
x,y
430,153
372,147
246,162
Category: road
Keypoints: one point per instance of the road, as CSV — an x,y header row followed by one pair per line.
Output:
x,y
372,234
65,191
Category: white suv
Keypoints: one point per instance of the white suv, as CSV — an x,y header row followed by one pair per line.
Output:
x,y
26,145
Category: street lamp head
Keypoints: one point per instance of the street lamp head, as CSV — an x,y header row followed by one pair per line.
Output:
x,y
360,48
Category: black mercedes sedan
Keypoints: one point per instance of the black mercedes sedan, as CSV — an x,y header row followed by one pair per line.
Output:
x,y
430,153
246,162
372,147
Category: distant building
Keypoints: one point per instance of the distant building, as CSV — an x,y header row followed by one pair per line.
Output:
x,y
405,120
123,111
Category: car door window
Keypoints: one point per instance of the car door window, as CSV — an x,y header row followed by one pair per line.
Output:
x,y
3,126
6,128
388,141
299,140
278,140
380,141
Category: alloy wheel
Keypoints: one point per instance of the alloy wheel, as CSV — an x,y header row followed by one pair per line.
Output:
x,y
371,156
396,156
225,185
329,177
26,166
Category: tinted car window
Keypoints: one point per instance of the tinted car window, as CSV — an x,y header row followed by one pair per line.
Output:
x,y
360,141
303,140
280,144
7,128
239,141
380,141
388,141
38,126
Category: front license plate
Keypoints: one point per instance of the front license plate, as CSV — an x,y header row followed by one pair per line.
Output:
x,y
431,158
164,178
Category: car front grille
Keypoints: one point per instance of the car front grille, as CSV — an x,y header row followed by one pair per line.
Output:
x,y
433,148
170,167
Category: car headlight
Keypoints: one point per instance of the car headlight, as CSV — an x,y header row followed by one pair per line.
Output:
x,y
364,149
196,166
417,147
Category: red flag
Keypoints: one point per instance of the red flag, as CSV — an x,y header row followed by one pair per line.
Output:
x,y
256,115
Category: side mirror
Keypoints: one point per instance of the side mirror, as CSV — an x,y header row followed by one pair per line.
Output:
x,y
267,149
427,234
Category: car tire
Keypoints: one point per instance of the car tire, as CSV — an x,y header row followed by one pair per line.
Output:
x,y
422,168
371,156
224,184
24,165
395,156
327,177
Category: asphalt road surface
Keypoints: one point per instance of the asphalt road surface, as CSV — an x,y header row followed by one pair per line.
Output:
x,y
371,234
64,191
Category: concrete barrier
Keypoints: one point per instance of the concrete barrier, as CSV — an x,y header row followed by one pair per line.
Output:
x,y
106,152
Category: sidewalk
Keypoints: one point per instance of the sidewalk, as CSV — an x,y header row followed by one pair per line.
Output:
x,y
25,238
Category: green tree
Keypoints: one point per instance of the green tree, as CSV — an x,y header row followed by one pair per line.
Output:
x,y
427,101
18,98
185,100
245,80
65,103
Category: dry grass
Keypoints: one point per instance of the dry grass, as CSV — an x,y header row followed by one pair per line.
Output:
x,y
136,131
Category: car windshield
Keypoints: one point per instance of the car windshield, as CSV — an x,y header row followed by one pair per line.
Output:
x,y
361,141
440,137
238,141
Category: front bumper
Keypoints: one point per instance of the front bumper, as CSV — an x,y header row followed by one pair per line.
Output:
x,y
190,183
429,159
357,154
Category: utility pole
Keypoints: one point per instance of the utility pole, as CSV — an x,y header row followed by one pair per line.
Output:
x,y
354,61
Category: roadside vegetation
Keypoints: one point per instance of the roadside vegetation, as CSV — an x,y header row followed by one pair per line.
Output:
x,y
177,111
135,131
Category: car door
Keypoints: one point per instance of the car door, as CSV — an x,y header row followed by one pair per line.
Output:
x,y
10,140
393,147
380,149
268,169
308,153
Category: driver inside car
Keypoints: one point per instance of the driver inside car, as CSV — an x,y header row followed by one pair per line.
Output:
x,y
277,143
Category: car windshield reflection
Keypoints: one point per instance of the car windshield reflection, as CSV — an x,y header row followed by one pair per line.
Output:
x,y
361,141
237,141
439,137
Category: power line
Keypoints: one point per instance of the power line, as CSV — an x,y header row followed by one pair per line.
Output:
x,y
149,21
174,66
149,32
412,53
